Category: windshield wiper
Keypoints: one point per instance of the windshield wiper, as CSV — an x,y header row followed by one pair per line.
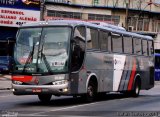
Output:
x,y
46,63
44,58
30,56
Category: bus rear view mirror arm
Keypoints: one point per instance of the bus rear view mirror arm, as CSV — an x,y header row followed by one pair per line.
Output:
x,y
11,39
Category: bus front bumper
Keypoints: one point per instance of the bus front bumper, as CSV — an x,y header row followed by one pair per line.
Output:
x,y
40,89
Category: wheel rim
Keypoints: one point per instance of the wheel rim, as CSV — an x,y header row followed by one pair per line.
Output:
x,y
137,89
90,91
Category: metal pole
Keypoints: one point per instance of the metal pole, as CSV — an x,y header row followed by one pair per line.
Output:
x,y
127,6
41,10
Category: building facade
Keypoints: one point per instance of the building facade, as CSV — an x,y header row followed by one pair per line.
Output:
x,y
14,13
142,16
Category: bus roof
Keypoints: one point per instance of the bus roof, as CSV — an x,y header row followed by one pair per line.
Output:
x,y
76,22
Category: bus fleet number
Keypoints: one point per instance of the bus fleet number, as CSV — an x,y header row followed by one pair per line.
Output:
x,y
20,23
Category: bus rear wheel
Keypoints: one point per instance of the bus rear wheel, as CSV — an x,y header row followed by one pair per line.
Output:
x,y
136,89
44,97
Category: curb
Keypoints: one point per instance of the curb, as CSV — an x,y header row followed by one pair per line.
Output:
x,y
5,84
157,82
7,77
5,91
2,89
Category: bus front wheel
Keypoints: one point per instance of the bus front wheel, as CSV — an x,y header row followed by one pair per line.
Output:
x,y
44,97
91,92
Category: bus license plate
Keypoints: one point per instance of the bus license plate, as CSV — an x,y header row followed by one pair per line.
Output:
x,y
36,90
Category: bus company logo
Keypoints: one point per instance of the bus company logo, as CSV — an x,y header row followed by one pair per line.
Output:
x,y
108,60
116,61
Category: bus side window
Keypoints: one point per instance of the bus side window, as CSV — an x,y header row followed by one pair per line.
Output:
x,y
127,40
137,46
150,48
103,37
92,39
117,42
144,45
109,43
78,48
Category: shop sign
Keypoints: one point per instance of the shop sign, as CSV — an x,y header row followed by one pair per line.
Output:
x,y
16,17
21,4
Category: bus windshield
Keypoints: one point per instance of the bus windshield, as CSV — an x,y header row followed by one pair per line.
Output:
x,y
42,50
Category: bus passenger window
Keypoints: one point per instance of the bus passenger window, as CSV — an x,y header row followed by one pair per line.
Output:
x,y
92,38
103,37
109,43
127,40
144,45
137,46
117,42
150,48
78,48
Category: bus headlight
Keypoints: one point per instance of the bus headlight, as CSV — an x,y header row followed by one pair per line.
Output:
x,y
17,82
60,82
13,90
65,90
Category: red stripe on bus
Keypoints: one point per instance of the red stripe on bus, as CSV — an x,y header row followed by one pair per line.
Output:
x,y
22,78
132,75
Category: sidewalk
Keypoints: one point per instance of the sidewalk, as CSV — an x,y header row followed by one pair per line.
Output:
x,y
156,82
5,82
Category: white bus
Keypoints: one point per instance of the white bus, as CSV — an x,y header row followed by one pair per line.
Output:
x,y
78,58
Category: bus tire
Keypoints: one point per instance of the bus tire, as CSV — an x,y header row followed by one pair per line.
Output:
x,y
91,91
136,88
44,97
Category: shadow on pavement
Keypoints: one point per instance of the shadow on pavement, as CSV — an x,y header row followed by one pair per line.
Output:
x,y
70,101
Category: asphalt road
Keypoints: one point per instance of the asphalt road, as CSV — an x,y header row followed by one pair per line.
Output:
x,y
113,105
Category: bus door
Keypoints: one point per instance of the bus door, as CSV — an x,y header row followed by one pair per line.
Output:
x,y
77,58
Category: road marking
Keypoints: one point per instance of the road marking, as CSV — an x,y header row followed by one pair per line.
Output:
x,y
4,96
72,116
64,108
28,115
